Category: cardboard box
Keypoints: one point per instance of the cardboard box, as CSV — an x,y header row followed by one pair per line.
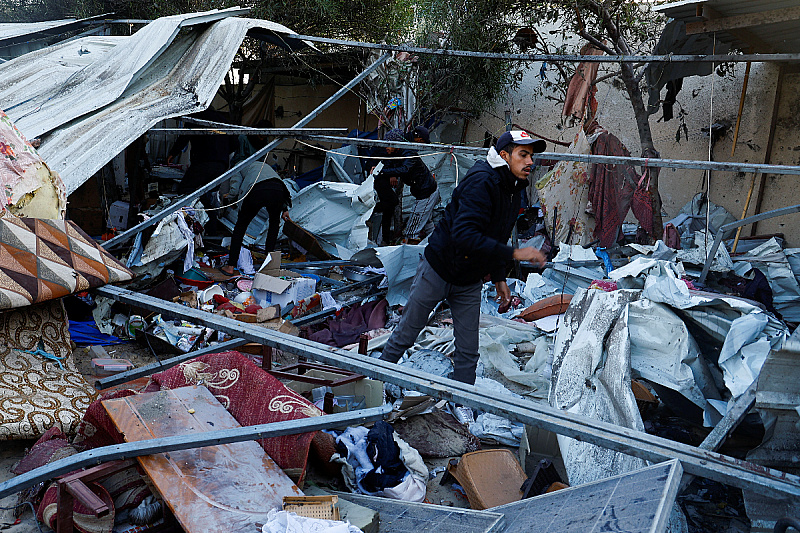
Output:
x,y
279,324
274,286
370,389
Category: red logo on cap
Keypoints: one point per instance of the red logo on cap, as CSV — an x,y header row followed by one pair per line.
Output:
x,y
524,134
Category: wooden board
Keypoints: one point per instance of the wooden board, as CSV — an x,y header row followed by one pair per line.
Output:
x,y
215,488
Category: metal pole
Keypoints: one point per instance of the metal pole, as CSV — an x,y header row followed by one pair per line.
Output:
x,y
191,197
721,58
558,156
733,225
185,442
229,130
649,447
147,370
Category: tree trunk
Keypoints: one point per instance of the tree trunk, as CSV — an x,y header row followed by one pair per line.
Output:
x,y
646,141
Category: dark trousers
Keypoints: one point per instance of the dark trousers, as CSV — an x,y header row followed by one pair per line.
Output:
x,y
387,203
428,289
272,196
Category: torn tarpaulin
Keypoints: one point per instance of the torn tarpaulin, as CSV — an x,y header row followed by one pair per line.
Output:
x,y
400,264
773,262
337,214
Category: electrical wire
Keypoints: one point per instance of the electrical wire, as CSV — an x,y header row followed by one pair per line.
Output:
x,y
33,511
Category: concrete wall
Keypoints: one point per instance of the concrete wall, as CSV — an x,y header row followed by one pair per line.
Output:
x,y
542,115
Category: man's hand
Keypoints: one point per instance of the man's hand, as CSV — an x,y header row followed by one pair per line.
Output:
x,y
393,181
503,294
285,216
169,159
530,254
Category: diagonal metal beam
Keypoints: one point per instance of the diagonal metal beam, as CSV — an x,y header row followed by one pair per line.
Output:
x,y
185,442
191,197
147,370
705,463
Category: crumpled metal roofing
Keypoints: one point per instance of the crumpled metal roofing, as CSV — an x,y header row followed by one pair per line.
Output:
x,y
88,107
782,37
11,30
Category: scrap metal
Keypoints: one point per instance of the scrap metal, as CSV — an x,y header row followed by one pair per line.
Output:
x,y
696,461
184,442
191,197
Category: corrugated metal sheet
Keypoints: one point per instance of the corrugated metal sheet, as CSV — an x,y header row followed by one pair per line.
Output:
x,y
91,121
12,30
100,82
783,37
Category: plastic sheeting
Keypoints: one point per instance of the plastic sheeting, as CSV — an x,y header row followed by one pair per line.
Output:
x,y
337,214
591,377
774,263
285,522
400,264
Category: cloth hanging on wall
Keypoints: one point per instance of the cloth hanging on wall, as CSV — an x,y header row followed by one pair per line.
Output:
x,y
563,193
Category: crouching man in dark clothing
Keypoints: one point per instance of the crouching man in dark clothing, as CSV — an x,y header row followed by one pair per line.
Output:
x,y
467,244
403,165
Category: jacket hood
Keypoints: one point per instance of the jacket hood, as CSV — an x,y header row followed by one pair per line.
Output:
x,y
494,159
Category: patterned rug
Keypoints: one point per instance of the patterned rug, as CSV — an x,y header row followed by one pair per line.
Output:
x,y
45,259
35,393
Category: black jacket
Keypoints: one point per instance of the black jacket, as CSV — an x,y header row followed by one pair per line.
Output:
x,y
470,240
410,170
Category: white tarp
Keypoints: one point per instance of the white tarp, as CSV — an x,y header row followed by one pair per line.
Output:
x,y
336,213
400,264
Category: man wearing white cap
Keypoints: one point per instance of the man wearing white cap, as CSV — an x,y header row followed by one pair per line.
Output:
x,y
470,242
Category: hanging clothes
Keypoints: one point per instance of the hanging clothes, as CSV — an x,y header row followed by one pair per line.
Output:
x,y
580,88
563,195
611,189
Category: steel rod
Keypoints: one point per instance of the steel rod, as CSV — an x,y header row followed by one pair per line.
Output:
x,y
185,442
669,58
733,225
558,156
696,461
191,197
283,132
147,370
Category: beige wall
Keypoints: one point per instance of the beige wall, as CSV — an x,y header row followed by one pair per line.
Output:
x,y
729,189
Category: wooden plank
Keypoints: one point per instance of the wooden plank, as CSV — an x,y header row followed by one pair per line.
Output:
x,y
228,487
748,20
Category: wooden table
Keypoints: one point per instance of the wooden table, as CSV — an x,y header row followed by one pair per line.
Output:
x,y
215,488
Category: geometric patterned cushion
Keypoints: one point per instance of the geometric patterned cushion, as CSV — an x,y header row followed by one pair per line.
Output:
x,y
45,259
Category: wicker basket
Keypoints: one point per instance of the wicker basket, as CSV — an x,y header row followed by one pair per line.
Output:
x,y
324,507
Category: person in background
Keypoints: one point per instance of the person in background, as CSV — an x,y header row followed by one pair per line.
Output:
x,y
404,166
257,185
468,243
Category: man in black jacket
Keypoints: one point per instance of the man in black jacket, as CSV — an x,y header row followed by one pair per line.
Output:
x,y
403,165
467,244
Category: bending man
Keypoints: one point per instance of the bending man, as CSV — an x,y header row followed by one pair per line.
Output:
x,y
467,244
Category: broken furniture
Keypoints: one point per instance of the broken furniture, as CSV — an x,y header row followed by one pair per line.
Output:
x,y
232,484
74,487
649,447
489,477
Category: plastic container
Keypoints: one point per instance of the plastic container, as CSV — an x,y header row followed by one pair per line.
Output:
x,y
109,366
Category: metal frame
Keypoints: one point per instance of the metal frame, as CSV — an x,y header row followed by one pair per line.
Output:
x,y
147,370
233,130
696,461
185,442
669,58
191,197
733,225
585,158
